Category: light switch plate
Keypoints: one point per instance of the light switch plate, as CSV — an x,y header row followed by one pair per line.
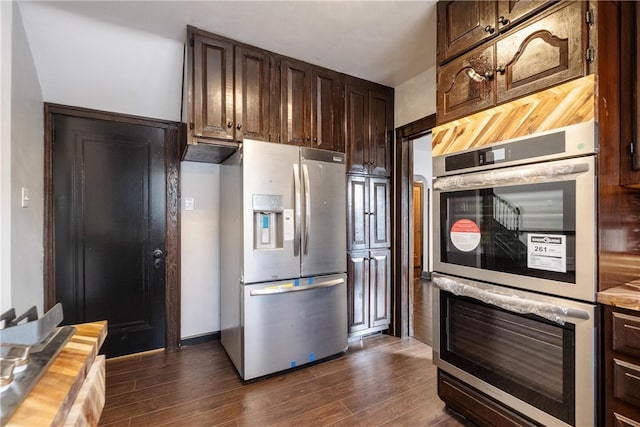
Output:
x,y
188,204
24,202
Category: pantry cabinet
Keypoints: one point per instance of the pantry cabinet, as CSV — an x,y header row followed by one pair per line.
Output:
x,y
546,50
368,284
369,128
368,207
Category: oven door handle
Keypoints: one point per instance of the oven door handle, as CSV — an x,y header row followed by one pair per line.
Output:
x,y
510,302
519,175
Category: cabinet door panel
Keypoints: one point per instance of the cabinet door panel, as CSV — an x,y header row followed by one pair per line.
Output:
x,y
253,67
213,88
326,105
358,290
466,84
463,24
513,11
542,54
380,279
381,128
295,93
379,205
357,137
357,213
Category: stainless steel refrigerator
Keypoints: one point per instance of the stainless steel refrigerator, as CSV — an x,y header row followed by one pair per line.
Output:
x,y
283,257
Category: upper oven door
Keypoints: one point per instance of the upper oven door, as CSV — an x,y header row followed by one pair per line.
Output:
x,y
531,227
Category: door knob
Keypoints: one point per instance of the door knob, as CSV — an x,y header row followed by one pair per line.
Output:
x,y
157,253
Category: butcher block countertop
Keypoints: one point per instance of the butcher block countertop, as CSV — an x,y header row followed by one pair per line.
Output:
x,y
623,296
71,391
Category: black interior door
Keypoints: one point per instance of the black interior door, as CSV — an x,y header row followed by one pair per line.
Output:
x,y
109,195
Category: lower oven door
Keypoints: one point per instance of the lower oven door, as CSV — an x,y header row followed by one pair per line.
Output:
x,y
533,353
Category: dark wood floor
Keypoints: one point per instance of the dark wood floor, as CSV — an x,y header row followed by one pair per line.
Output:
x,y
421,311
381,380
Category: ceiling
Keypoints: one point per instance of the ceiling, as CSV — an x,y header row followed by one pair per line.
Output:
x,y
388,42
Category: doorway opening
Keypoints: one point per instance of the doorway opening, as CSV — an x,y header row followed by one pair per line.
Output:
x,y
407,137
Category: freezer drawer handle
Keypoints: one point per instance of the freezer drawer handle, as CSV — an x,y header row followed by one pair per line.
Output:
x,y
276,290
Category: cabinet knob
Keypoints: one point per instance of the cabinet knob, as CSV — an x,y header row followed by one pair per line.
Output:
x,y
500,69
503,21
229,124
315,140
239,126
308,138
489,29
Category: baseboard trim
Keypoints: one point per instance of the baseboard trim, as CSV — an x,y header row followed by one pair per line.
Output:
x,y
200,339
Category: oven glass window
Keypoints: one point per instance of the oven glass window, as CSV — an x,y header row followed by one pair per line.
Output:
x,y
524,355
521,229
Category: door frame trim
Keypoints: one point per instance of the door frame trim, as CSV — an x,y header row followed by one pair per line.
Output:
x,y
172,134
403,220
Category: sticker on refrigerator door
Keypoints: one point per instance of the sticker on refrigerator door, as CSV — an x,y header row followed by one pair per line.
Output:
x,y
465,235
287,219
547,252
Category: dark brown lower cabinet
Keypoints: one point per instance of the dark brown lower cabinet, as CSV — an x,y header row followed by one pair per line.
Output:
x,y
621,341
475,406
369,293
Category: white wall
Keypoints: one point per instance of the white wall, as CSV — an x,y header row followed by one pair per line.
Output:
x,y
21,161
200,303
6,27
416,98
27,159
137,64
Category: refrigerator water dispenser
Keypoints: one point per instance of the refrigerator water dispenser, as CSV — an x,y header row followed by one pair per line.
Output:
x,y
267,221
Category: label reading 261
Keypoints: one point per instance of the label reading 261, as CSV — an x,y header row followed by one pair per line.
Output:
x,y
547,252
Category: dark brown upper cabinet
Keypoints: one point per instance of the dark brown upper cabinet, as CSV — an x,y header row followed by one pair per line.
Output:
x,y
548,49
212,102
229,96
466,84
511,12
327,110
463,24
369,128
253,108
630,77
311,106
295,98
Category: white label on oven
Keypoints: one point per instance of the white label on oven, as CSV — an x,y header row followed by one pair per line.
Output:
x,y
465,235
547,252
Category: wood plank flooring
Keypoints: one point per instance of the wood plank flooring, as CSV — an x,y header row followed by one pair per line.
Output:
x,y
381,380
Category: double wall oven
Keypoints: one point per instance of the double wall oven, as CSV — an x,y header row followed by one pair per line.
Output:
x,y
515,273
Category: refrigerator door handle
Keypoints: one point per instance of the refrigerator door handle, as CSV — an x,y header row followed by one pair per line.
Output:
x,y
287,289
297,206
307,207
